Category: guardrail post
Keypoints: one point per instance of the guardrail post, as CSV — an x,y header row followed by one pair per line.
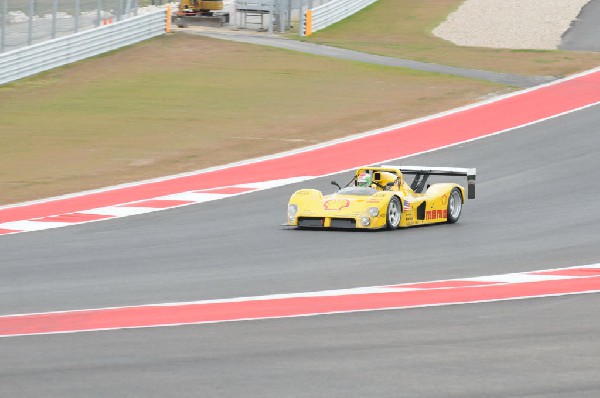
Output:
x,y
308,22
168,22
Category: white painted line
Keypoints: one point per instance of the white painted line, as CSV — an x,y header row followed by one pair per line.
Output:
x,y
27,226
120,211
275,183
195,197
323,293
517,278
587,266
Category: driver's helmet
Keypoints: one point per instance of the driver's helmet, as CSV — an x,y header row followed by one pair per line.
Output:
x,y
364,179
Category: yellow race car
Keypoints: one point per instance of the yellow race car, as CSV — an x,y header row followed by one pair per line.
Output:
x,y
379,197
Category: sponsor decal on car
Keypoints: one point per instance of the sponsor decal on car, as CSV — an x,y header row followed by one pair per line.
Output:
x,y
445,199
435,214
336,204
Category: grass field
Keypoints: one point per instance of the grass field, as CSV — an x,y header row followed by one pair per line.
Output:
x,y
180,103
402,29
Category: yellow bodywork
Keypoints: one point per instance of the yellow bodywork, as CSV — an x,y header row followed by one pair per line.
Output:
x,y
339,209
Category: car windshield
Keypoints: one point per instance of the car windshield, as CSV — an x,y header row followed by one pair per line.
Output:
x,y
358,191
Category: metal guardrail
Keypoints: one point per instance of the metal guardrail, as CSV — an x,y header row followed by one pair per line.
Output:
x,y
27,22
30,60
327,14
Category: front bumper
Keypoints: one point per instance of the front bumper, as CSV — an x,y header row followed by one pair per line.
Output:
x,y
363,222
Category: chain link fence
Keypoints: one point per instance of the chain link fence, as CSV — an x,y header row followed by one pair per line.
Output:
x,y
26,22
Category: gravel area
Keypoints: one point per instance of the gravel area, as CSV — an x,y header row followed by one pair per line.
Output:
x,y
517,24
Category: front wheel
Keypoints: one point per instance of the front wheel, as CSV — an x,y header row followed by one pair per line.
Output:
x,y
454,206
394,213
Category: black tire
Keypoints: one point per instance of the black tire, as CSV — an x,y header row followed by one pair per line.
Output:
x,y
394,213
454,205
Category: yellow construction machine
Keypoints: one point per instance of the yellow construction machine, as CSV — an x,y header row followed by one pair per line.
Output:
x,y
201,12
202,7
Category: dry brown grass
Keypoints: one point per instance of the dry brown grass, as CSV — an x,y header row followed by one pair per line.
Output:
x,y
180,103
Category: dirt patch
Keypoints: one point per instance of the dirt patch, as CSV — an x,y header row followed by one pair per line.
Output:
x,y
180,103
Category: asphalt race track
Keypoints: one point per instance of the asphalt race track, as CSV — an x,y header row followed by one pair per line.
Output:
x,y
535,209
584,34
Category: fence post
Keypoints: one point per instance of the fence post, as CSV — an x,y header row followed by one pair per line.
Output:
x,y
127,9
54,11
30,27
98,12
77,11
288,21
271,11
3,21
281,16
119,9
301,27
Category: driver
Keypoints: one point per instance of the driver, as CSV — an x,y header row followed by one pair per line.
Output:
x,y
364,180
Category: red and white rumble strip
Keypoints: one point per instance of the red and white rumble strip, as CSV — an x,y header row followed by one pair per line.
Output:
x,y
552,282
141,207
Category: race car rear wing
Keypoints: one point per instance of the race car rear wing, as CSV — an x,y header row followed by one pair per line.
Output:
x,y
422,174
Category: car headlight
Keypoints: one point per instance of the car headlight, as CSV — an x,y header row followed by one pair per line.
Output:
x,y
292,210
366,221
374,211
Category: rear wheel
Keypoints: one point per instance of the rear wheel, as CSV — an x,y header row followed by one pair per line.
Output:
x,y
454,206
394,213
